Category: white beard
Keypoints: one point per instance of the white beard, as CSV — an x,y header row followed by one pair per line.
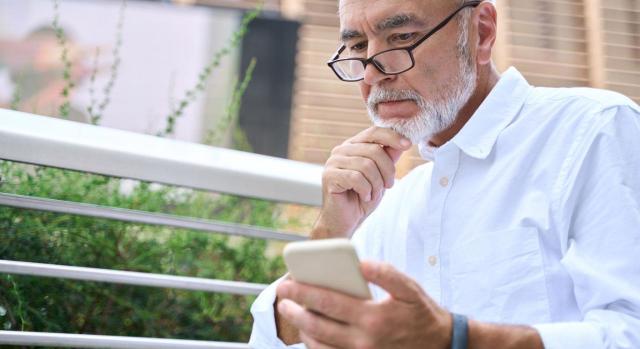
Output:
x,y
435,115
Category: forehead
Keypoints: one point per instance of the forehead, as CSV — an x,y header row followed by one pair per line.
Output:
x,y
365,14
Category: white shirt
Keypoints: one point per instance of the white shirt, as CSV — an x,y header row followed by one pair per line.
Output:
x,y
529,215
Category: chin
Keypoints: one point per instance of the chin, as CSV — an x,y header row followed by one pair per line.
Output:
x,y
412,128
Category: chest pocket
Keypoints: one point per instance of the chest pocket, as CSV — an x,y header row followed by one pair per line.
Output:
x,y
499,277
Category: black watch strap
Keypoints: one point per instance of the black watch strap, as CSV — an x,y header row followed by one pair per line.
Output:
x,y
460,332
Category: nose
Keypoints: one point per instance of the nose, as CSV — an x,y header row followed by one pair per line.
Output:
x,y
373,76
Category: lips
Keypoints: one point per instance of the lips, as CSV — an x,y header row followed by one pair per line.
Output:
x,y
396,109
391,103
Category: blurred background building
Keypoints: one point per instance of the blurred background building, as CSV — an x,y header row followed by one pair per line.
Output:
x,y
552,42
295,107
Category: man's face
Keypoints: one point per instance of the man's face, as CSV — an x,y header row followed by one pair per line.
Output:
x,y
426,99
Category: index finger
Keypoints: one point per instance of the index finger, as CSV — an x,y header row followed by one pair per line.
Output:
x,y
383,136
332,304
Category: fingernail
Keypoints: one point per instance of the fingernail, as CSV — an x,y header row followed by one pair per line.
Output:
x,y
405,142
368,198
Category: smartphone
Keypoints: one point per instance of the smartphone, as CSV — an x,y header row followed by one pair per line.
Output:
x,y
328,263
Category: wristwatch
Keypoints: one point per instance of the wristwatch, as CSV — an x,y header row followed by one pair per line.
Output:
x,y
460,332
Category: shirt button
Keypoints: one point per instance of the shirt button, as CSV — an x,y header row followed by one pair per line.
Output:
x,y
433,260
444,181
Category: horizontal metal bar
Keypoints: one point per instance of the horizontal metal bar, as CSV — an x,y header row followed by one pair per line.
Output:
x,y
72,145
45,339
135,216
130,278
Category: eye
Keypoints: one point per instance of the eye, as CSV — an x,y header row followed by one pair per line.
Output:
x,y
403,38
359,46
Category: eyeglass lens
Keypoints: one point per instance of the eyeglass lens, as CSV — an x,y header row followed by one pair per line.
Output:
x,y
390,62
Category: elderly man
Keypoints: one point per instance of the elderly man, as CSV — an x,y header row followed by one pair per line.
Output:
x,y
522,232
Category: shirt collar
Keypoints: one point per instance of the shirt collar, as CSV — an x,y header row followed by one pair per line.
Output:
x,y
478,136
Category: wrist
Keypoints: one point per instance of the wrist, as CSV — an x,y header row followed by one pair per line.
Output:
x,y
486,335
324,229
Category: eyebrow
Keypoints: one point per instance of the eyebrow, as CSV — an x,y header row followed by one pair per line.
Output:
x,y
399,21
348,34
393,22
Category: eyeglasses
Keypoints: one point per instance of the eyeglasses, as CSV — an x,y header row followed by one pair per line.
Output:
x,y
389,62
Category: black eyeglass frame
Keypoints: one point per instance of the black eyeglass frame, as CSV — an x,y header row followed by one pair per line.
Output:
x,y
409,49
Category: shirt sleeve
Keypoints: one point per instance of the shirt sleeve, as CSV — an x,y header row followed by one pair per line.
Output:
x,y
599,208
264,334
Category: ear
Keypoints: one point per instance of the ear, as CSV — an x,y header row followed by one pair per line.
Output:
x,y
485,20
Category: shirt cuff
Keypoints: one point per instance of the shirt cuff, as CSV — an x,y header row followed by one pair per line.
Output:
x,y
569,335
264,333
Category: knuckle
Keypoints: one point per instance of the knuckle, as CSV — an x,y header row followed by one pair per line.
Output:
x,y
328,181
354,176
336,149
330,174
330,162
369,165
382,157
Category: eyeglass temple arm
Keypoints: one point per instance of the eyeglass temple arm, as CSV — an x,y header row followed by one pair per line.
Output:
x,y
443,23
337,54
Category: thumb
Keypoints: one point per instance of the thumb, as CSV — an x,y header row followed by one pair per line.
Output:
x,y
397,284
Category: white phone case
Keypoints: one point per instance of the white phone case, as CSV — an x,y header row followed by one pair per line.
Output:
x,y
329,263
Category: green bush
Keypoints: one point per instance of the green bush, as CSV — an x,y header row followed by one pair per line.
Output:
x,y
55,305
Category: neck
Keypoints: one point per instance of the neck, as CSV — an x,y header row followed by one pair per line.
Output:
x,y
487,79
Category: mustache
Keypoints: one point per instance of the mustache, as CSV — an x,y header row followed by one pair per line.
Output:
x,y
387,95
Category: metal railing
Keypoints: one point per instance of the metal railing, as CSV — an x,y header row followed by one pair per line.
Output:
x,y
129,277
58,143
65,144
95,341
135,216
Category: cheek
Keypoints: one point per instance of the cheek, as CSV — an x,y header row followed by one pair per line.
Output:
x,y
437,74
364,90
424,79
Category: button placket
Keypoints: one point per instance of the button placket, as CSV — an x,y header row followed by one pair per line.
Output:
x,y
445,166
